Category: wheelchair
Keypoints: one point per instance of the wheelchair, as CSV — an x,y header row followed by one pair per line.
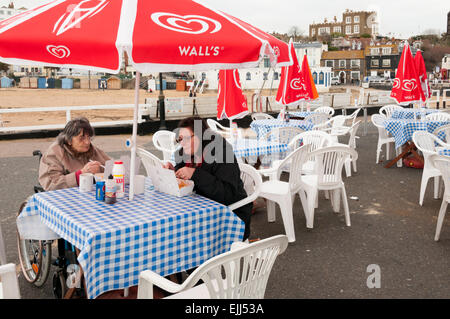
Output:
x,y
35,258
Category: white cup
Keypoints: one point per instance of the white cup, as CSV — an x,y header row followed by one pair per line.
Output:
x,y
86,182
139,184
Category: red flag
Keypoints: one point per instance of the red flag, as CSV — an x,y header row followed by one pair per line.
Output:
x,y
308,81
291,90
406,88
231,103
422,73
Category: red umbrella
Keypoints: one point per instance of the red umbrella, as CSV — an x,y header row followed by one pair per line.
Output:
x,y
158,36
422,73
308,81
406,88
291,90
231,103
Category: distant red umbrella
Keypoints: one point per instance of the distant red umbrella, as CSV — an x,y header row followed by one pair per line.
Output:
x,y
407,88
291,90
422,73
308,81
231,103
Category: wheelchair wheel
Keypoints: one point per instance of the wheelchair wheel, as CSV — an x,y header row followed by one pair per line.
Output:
x,y
35,257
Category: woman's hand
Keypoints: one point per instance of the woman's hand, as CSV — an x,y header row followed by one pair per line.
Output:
x,y
168,165
185,172
91,167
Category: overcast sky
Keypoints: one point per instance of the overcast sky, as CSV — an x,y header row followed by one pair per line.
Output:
x,y
400,18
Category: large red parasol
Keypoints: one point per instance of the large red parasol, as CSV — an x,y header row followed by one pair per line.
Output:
x,y
422,73
231,102
308,81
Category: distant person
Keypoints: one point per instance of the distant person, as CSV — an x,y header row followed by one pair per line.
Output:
x,y
71,155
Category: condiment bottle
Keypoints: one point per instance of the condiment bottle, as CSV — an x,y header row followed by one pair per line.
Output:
x,y
110,190
118,172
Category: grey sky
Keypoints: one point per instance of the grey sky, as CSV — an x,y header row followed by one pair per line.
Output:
x,y
401,18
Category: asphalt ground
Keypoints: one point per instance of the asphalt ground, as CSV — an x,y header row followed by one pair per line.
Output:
x,y
389,231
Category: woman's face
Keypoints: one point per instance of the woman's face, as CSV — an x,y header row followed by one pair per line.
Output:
x,y
81,143
188,141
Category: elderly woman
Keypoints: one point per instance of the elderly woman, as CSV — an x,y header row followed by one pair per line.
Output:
x,y
208,160
70,155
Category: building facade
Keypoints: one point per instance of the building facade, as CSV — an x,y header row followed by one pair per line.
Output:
x,y
353,24
313,51
6,12
382,60
349,65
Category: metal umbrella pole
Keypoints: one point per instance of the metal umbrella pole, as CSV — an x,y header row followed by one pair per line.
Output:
x,y
134,136
162,108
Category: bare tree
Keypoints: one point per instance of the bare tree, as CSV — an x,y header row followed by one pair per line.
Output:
x,y
295,32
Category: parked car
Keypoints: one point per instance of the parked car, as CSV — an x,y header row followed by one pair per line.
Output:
x,y
335,80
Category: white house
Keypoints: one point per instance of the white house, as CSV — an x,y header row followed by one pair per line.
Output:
x,y
446,62
6,12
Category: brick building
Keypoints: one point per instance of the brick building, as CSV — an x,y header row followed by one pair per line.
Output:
x,y
348,65
382,60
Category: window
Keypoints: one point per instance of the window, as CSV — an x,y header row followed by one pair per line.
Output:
x,y
342,64
327,30
337,29
266,63
2,12
265,76
276,76
329,63
315,77
355,63
248,76
321,31
386,62
387,51
321,78
203,75
313,32
374,63
354,75
374,51
348,29
356,19
356,28
348,20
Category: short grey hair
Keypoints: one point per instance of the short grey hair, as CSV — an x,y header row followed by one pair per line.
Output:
x,y
73,128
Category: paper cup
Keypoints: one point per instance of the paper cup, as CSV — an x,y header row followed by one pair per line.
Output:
x,y
139,184
86,182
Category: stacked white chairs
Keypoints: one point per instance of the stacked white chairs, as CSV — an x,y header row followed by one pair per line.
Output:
x,y
383,137
438,116
325,109
334,126
261,116
164,141
388,109
283,193
241,273
327,177
148,159
351,119
218,128
443,130
442,163
317,118
427,144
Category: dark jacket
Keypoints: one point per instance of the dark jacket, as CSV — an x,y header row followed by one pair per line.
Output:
x,y
219,179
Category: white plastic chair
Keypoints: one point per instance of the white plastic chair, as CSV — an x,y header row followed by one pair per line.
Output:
x,y
218,128
164,141
9,285
383,137
334,126
444,129
241,273
438,116
252,184
148,159
283,193
328,177
261,116
318,118
352,144
351,119
442,163
388,109
325,109
426,143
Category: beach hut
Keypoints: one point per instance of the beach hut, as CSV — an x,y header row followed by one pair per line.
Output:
x,y
6,82
113,83
33,83
67,84
51,83
24,82
42,83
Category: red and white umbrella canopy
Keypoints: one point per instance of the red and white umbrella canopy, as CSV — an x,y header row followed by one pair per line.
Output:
x,y
407,88
422,73
291,90
231,102
159,36
308,81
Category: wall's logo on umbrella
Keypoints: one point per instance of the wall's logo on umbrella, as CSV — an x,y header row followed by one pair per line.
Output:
x,y
193,24
296,84
276,49
59,51
396,84
409,85
77,13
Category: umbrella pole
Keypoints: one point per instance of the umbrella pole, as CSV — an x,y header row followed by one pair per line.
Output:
x,y
134,136
162,108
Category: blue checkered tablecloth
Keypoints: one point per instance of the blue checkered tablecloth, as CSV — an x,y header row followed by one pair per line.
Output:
x,y
444,151
252,149
262,127
403,129
411,113
298,114
155,231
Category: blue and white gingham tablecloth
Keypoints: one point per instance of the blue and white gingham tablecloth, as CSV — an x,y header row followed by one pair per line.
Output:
x,y
409,113
155,231
403,129
444,151
262,127
298,114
